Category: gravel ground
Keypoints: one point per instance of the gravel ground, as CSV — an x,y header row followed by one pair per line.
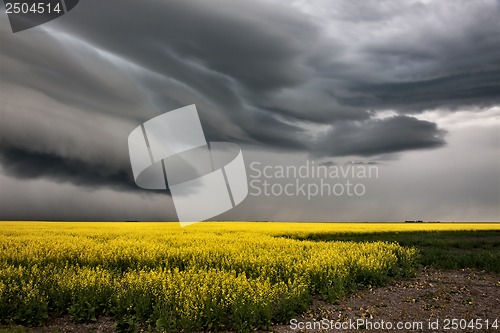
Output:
x,y
432,295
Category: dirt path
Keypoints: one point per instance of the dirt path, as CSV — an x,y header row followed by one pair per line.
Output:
x,y
432,295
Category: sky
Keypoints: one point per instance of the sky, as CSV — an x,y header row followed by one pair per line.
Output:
x,y
409,88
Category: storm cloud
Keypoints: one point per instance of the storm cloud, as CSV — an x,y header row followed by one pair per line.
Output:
x,y
314,78
381,136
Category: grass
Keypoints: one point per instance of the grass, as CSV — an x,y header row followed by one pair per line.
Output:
x,y
14,329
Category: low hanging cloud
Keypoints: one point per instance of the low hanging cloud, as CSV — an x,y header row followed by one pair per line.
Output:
x,y
381,136
30,165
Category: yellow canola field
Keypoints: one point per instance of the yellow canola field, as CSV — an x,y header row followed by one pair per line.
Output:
x,y
209,276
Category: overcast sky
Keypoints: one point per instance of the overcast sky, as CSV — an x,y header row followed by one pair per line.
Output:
x,y
410,87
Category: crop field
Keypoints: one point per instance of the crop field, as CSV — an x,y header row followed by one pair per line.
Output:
x,y
213,276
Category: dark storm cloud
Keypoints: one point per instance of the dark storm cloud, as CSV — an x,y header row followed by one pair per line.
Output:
x,y
261,46
412,56
454,91
63,70
381,136
258,72
231,54
30,165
